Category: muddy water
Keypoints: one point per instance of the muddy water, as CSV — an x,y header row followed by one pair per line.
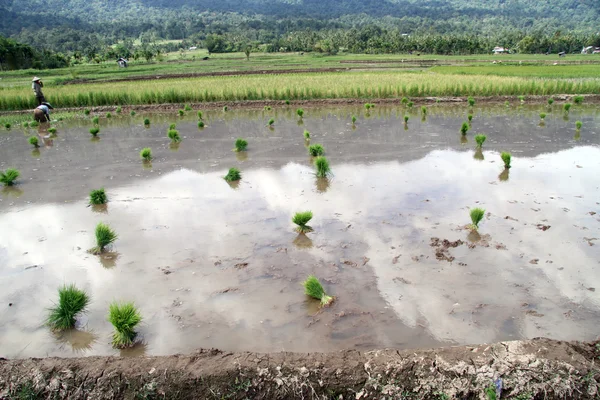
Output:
x,y
212,265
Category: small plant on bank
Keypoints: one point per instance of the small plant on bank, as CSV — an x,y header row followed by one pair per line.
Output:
x,y
132,113
354,119
119,109
33,140
52,130
225,109
578,125
9,176
71,301
316,150
424,110
187,107
306,135
124,317
464,128
476,217
542,116
95,120
146,154
271,121
471,101
480,139
105,236
550,101
506,158
322,167
86,112
404,101
233,175
578,100
108,115
94,131
406,118
241,144
200,124
147,121
314,289
181,113
174,136
98,196
300,113
567,107
301,219
470,117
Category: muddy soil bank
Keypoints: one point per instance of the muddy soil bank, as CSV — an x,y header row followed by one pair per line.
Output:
x,y
534,369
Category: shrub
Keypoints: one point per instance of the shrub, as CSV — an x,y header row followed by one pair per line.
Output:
x,y
542,116
146,154
181,113
147,121
132,113
86,112
9,176
124,317
108,115
464,128
271,122
52,130
550,101
95,120
174,136
578,99
233,175
300,112
241,144
316,150
322,166
225,108
187,107
506,158
404,101
567,107
94,130
314,289
71,301
172,127
33,140
98,196
476,217
470,117
301,219
578,125
119,109
406,118
306,134
200,115
480,139
471,101
353,119
424,110
200,124
105,236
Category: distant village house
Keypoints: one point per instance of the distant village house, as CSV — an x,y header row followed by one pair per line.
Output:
x,y
500,50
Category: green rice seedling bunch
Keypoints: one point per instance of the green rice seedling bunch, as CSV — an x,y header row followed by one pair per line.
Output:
x,y
119,109
578,125
267,108
34,124
507,103
108,115
314,289
271,121
480,139
86,112
200,115
146,154
241,144
301,219
567,107
95,120
181,113
98,196
174,136
578,100
542,116
300,112
132,113
306,134
506,158
147,121
52,130
172,127
200,124
105,236
404,101
124,317
33,140
287,102
406,118
464,128
470,117
316,150
25,124
477,215
71,301
322,167
225,108
522,99
233,175
7,125
353,119
550,101
367,106
410,104
424,110
8,177
187,107
94,131
471,101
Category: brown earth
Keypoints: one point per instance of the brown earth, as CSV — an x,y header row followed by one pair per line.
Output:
x,y
534,369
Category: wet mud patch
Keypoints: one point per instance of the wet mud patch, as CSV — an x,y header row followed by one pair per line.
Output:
x,y
442,251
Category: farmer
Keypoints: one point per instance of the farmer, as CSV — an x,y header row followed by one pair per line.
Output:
x,y
42,112
37,86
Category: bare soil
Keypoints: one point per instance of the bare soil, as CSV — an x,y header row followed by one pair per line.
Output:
x,y
534,369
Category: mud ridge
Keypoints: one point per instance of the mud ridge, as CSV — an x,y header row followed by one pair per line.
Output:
x,y
534,369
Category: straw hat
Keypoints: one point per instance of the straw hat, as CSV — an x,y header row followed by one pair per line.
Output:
x,y
35,78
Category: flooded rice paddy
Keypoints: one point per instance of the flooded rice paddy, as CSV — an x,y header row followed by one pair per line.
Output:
x,y
215,265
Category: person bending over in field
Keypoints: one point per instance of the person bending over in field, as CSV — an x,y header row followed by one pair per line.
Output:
x,y
37,86
42,112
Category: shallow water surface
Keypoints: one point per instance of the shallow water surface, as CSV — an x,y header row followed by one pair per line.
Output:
x,y
211,265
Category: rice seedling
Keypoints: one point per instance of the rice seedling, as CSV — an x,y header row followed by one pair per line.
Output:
x,y
86,112
424,110
367,106
147,121
471,101
25,124
174,136
267,108
322,167
52,130
480,139
306,135
316,150
119,109
71,301
34,141
567,107
578,125
406,118
124,317
542,116
470,117
404,101
301,219
200,124
464,128
108,115
7,125
506,158
410,104
94,131
522,99
172,127
241,144
181,113
300,113
507,103
225,109
314,289
200,115
233,175
578,100
8,177
146,154
98,196
550,101
477,215
187,107
287,102
105,236
95,120
271,122
34,124
353,119
132,113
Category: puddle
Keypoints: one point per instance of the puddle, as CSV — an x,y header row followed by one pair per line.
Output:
x,y
211,265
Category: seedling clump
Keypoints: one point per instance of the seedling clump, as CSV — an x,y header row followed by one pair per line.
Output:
x,y
301,219
542,116
404,101
86,112
146,154
52,130
316,150
424,110
105,236
9,176
506,157
200,124
322,166
233,175
200,115
476,217
71,301
471,101
410,104
174,136
181,113
108,115
7,125
95,120
406,118
187,107
271,122
306,135
147,121
578,99
470,117
33,140
300,112
225,108
567,107
522,98
132,113
578,125
353,119
464,128
94,131
34,124
172,127
124,317
119,109
367,106
241,144
550,101
98,196
314,289
480,139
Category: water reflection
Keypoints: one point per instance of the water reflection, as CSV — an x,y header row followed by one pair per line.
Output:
x,y
303,242
79,341
241,156
478,155
504,175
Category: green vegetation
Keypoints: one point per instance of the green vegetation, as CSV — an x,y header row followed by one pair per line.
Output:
x,y
8,177
353,119
322,167
267,108
306,135
187,107
147,121
94,131
550,101
174,135
132,113
567,107
578,125
271,122
52,130
424,110
105,236
314,289
471,101
404,101
181,113
86,111
98,196
410,104
33,140
108,115
172,127
146,154
480,139
233,175
406,118
522,99
542,116
241,144
124,317
71,301
464,128
225,109
316,150
119,109
95,120
470,117
200,124
25,124
301,219
578,100
300,113
506,158
200,115
477,215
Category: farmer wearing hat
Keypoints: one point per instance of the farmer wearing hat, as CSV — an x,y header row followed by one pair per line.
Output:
x,y
42,112
37,86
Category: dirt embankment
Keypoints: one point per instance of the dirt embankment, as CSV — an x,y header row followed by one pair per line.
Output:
x,y
536,369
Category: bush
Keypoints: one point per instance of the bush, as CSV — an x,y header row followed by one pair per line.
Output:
x,y
316,150
300,112
322,166
464,128
146,154
477,215
94,131
174,136
233,175
105,236
506,158
147,121
578,99
301,219
480,139
98,196
314,289
306,134
33,140
124,317
578,125
71,301
241,144
8,177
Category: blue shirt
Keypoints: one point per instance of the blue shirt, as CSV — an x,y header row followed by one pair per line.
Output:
x,y
44,108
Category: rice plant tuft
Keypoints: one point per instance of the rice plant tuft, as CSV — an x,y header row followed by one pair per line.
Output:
x,y
200,124
52,130
404,101
132,113
33,140
578,99
200,115
233,175
105,236
480,139
470,117
98,196
86,112
506,158
406,118
322,167
174,136
146,154
225,108
578,125
367,106
550,101
306,135
477,215
542,116
119,109
8,177
522,99
181,113
187,107
71,301
300,112
353,119
301,219
471,101
94,131
25,124
464,128
424,110
267,108
95,120
316,150
147,121
124,317
287,102
271,121
34,124
172,126
410,104
567,107
241,144
314,289
108,115
7,125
